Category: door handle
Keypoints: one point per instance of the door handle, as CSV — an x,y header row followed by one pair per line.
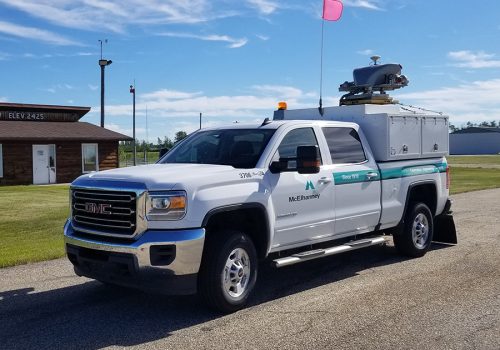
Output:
x,y
325,180
372,175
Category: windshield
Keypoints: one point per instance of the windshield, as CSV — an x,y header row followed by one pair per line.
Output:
x,y
239,148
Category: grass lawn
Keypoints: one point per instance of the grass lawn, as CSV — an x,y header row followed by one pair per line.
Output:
x,y
483,160
31,223
473,179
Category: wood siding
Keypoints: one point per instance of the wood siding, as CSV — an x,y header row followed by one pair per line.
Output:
x,y
108,155
18,160
17,164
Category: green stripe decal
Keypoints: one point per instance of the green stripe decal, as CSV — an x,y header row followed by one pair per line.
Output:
x,y
349,177
395,173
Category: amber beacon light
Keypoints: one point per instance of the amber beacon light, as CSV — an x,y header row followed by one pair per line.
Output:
x,y
282,106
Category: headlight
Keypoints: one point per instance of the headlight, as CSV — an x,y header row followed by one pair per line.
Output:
x,y
166,205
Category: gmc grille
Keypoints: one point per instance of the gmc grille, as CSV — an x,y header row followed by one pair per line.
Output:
x,y
107,212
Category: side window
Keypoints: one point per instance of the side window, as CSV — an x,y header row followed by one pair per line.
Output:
x,y
287,149
345,145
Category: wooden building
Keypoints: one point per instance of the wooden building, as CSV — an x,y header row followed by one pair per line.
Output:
x,y
43,144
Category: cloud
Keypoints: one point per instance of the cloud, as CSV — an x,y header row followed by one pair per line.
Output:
x,y
85,54
469,59
3,99
265,7
35,34
125,131
366,52
366,4
52,55
173,103
58,87
166,103
93,87
233,42
172,110
165,94
281,91
117,15
262,37
475,101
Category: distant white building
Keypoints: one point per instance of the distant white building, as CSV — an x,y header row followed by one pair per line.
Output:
x,y
475,140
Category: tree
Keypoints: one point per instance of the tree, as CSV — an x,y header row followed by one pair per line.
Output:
x,y
179,135
453,128
167,143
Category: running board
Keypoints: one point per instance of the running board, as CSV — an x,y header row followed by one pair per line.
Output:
x,y
320,253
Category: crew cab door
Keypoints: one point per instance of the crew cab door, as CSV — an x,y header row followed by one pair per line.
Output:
x,y
357,184
302,203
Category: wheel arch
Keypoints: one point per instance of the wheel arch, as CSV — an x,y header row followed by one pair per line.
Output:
x,y
427,194
250,218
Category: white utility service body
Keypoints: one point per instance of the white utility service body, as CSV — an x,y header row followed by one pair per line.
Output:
x,y
195,224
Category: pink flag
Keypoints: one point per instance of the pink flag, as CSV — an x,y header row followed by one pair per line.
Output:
x,y
332,10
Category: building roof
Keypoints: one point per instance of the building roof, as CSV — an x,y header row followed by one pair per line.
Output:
x,y
56,131
65,113
477,130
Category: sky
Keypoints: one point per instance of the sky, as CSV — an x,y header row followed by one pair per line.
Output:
x,y
235,60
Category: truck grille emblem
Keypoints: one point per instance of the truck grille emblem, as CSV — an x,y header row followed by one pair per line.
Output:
x,y
95,208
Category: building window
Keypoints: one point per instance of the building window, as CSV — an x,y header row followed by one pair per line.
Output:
x,y
1,161
90,159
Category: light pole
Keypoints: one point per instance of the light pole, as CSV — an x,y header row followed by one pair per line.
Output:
x,y
103,63
132,91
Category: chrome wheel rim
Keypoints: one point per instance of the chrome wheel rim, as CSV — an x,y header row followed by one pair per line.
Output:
x,y
420,231
236,274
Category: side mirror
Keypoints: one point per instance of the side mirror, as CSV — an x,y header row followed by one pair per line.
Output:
x,y
278,166
308,159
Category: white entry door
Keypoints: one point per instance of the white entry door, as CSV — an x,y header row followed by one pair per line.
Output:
x,y
44,164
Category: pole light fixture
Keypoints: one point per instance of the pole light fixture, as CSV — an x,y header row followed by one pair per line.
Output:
x,y
103,63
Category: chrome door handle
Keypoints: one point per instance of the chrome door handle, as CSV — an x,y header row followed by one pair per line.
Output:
x,y
370,176
325,180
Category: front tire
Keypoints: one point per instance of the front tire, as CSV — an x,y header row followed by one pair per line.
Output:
x,y
416,237
228,272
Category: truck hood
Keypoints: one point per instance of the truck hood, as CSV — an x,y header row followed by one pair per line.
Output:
x,y
163,176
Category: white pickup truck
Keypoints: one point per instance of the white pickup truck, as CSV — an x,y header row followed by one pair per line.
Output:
x,y
224,198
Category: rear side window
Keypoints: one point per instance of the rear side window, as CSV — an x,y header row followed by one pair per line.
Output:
x,y
345,145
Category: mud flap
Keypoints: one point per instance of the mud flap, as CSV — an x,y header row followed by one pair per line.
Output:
x,y
444,229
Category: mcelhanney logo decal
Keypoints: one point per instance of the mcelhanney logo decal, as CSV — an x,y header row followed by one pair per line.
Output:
x,y
301,197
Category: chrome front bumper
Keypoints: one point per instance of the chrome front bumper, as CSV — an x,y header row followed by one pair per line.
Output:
x,y
131,263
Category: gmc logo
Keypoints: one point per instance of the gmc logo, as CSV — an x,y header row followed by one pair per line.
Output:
x,y
95,208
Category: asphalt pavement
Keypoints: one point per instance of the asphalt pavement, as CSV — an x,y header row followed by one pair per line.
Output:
x,y
367,299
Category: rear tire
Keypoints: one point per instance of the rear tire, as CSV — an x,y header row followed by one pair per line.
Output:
x,y
418,228
228,271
